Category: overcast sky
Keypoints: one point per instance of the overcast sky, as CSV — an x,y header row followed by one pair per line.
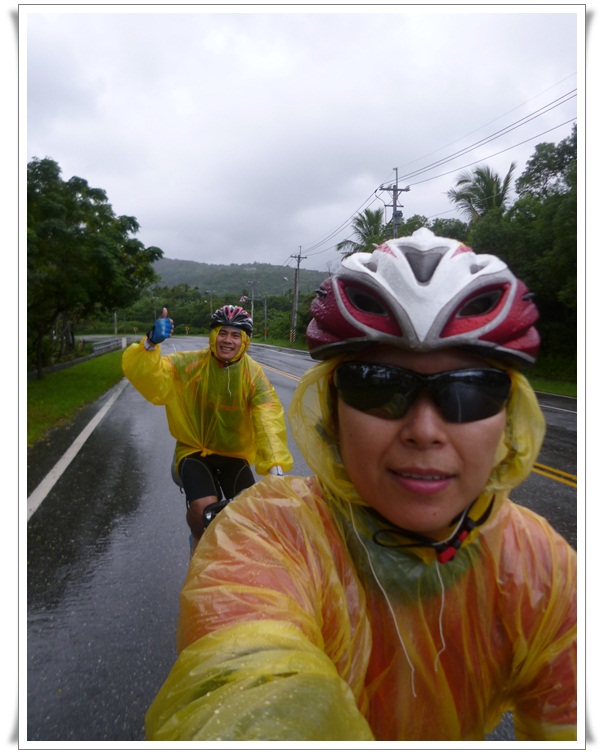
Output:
x,y
245,137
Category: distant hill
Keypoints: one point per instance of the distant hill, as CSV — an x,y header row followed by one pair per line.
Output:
x,y
225,279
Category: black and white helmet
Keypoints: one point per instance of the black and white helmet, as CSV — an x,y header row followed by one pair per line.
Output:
x,y
232,316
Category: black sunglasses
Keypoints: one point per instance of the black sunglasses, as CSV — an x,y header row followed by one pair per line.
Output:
x,y
462,395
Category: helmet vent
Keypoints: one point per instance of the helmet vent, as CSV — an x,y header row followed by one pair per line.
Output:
x,y
423,263
482,304
365,303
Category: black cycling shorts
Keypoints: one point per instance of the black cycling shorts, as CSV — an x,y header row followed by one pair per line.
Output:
x,y
199,475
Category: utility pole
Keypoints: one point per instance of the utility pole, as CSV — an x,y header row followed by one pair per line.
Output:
x,y
397,215
292,332
211,295
252,283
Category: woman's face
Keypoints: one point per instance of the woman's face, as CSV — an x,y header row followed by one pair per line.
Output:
x,y
418,471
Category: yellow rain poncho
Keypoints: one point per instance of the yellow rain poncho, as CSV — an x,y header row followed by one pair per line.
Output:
x,y
232,411
296,626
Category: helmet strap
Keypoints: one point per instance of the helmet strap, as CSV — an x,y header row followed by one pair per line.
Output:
x,y
445,549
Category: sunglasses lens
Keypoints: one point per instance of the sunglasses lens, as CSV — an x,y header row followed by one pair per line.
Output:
x,y
471,394
464,395
375,389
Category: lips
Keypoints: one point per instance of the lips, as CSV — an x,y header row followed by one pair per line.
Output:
x,y
423,481
226,350
425,476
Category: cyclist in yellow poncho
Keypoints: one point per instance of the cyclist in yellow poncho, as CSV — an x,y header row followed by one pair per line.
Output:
x,y
220,406
397,594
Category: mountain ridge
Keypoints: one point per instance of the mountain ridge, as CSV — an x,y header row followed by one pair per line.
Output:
x,y
224,279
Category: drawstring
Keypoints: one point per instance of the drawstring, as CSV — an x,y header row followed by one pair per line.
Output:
x,y
225,365
440,616
387,600
391,609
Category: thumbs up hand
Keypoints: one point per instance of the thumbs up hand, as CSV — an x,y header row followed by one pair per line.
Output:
x,y
162,328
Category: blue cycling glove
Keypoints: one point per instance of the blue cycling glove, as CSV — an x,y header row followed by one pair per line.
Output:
x,y
161,330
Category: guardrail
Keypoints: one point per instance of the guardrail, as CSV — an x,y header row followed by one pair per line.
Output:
x,y
98,347
102,346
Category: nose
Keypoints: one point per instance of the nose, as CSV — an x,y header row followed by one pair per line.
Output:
x,y
423,426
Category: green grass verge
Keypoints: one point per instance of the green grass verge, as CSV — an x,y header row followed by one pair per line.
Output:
x,y
57,398
558,387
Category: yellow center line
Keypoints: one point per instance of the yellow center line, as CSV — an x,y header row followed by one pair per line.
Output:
x,y
557,471
285,374
556,474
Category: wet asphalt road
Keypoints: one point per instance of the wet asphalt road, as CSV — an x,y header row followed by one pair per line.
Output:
x,y
107,553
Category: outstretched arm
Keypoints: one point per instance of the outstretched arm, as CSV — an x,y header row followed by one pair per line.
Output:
x,y
143,365
274,639
259,681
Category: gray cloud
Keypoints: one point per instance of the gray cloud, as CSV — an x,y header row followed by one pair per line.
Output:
x,y
238,137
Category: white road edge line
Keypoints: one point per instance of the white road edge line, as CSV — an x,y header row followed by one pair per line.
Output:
x,y
557,408
39,494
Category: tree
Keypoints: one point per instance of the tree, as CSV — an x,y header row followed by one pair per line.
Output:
x,y
481,191
368,228
81,257
408,227
449,228
549,170
537,238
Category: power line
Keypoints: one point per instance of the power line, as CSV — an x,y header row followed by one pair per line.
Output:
x,y
366,203
496,154
492,137
499,117
507,129
432,178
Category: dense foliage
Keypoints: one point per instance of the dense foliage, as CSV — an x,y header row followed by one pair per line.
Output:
x,y
191,309
81,258
537,237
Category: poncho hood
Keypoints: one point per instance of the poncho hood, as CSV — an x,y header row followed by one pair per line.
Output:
x,y
311,421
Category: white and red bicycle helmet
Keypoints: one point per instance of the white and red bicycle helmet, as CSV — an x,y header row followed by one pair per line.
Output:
x,y
424,293
232,316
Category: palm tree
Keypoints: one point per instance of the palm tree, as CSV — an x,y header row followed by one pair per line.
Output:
x,y
481,190
369,230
